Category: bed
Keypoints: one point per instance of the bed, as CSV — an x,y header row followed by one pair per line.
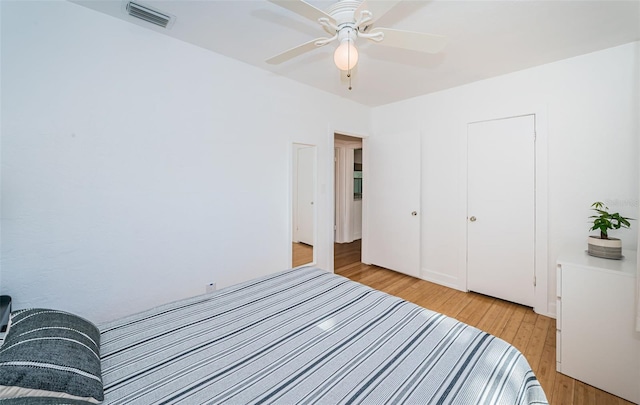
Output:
x,y
305,336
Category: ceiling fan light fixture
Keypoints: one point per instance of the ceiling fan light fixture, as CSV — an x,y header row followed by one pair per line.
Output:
x,y
346,55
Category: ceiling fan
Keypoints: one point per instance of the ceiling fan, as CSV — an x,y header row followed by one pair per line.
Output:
x,y
348,20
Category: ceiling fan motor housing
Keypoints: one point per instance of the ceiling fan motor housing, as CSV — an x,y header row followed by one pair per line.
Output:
x,y
343,13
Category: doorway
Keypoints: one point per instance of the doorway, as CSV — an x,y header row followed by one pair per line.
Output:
x,y
501,212
348,194
303,204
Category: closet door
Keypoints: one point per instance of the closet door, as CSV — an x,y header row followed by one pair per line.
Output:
x,y
501,208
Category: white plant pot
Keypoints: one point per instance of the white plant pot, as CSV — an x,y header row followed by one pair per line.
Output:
x,y
606,248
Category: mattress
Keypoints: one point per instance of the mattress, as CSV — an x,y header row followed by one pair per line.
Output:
x,y
307,336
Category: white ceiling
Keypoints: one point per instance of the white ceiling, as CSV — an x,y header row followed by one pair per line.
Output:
x,y
485,39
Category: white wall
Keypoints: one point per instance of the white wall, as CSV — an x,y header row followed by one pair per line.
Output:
x,y
137,168
591,108
637,107
121,182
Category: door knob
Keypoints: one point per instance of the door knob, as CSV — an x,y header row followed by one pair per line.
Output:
x,y
414,213
472,219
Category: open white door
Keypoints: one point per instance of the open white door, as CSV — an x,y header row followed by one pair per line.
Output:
x,y
306,195
392,202
501,209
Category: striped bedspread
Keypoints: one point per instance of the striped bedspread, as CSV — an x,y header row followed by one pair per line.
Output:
x,y
307,336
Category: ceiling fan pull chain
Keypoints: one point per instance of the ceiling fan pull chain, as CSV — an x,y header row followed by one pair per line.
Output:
x,y
349,64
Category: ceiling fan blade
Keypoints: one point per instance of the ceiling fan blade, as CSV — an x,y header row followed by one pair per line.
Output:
x,y
414,41
296,51
304,9
378,8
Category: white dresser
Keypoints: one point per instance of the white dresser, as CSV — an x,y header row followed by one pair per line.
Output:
x,y
596,338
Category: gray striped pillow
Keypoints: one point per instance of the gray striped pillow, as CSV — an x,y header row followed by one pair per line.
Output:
x,y
49,353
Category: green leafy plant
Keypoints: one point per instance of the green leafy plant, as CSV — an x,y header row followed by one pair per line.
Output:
x,y
605,221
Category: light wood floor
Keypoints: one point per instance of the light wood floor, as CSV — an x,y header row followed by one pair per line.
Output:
x,y
302,254
534,335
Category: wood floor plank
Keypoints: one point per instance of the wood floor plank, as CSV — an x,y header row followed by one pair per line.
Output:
x,y
302,254
380,281
523,336
419,296
551,334
369,276
563,390
412,295
351,270
476,309
437,299
495,312
501,321
530,316
584,394
513,324
546,369
604,398
538,341
399,285
534,335
456,303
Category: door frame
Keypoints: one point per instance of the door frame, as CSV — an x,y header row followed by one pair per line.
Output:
x,y
344,189
330,196
293,147
542,305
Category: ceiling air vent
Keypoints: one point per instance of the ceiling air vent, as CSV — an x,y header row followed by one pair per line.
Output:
x,y
149,14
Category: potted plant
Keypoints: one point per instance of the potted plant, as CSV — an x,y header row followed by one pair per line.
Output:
x,y
603,245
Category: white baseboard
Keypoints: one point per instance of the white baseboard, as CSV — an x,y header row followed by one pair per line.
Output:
x,y
441,279
551,310
447,280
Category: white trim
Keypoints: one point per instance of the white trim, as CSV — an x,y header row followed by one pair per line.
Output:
x,y
364,246
542,305
338,195
290,149
344,190
443,279
328,192
551,310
